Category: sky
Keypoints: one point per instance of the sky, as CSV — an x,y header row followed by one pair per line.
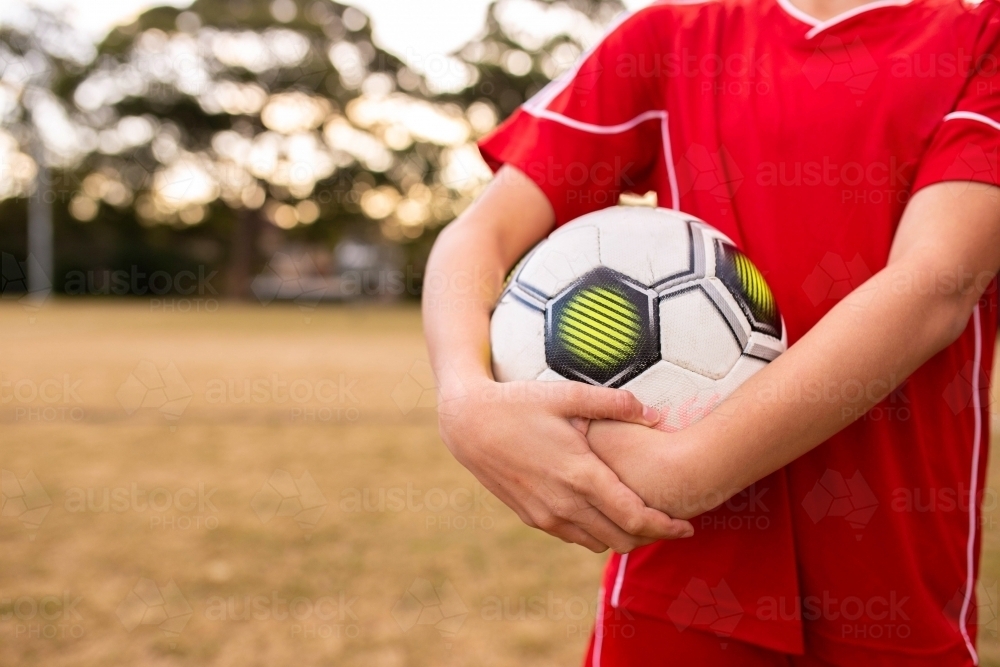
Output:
x,y
412,29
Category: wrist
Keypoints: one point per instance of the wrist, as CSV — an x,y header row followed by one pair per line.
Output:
x,y
456,380
687,484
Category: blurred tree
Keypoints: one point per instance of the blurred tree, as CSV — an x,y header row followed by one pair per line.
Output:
x,y
215,136
240,113
37,52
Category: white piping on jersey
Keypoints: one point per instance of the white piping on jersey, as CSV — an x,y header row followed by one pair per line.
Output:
x,y
596,129
971,115
819,26
538,106
668,154
798,13
970,547
616,592
595,660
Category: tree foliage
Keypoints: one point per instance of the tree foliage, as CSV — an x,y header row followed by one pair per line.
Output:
x,y
216,134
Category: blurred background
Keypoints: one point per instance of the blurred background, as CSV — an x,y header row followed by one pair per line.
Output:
x,y
217,436
260,141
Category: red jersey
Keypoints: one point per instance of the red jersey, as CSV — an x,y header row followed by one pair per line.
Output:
x,y
803,140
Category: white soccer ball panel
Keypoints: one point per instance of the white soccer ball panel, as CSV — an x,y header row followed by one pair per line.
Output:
x,y
681,396
694,335
558,262
549,375
517,335
744,369
710,233
646,246
616,214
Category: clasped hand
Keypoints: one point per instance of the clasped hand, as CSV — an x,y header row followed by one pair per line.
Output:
x,y
527,443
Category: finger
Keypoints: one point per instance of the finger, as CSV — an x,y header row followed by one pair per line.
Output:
x,y
606,492
579,400
606,531
567,532
563,512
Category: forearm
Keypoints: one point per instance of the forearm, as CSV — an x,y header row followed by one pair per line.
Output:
x,y
862,350
848,362
466,270
464,275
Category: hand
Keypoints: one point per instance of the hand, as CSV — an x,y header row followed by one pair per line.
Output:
x,y
663,468
525,442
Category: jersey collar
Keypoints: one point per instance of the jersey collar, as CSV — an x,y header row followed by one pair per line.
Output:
x,y
818,27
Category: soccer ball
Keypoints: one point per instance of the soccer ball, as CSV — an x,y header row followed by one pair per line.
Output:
x,y
649,300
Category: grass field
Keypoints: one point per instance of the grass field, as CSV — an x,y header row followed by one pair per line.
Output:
x,y
247,486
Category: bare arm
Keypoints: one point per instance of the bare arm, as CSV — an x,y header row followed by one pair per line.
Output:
x,y
878,335
519,438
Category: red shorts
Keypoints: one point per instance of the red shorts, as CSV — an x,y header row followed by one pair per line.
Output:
x,y
624,638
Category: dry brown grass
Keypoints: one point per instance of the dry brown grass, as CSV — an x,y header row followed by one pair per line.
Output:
x,y
356,563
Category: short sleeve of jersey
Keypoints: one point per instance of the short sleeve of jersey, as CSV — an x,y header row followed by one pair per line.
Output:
x,y
967,143
593,133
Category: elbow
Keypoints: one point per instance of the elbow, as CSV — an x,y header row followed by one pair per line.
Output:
x,y
956,324
949,320
945,299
